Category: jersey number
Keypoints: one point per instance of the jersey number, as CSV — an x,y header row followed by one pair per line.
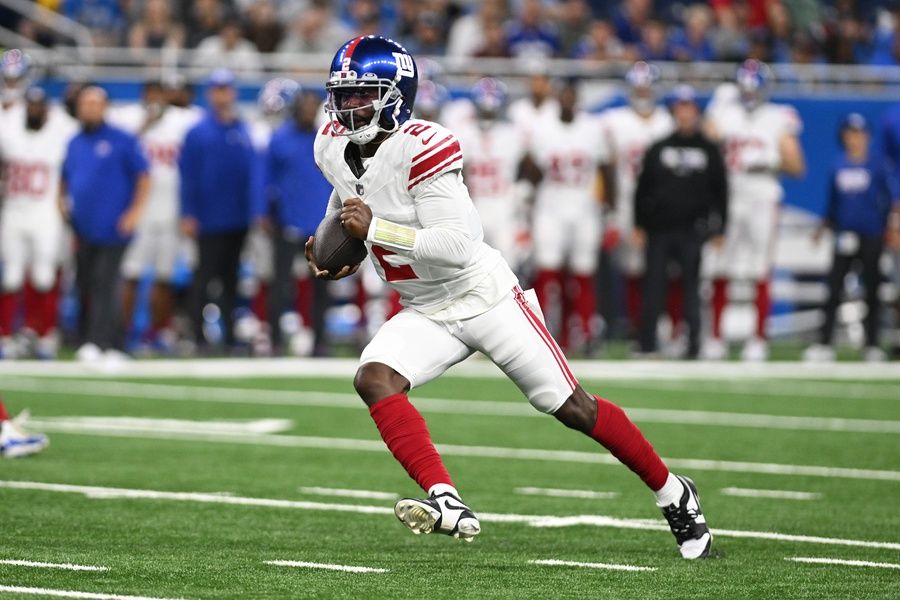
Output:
x,y
391,272
27,179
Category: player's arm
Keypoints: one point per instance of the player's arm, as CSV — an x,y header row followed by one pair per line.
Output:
x,y
828,217
793,163
444,238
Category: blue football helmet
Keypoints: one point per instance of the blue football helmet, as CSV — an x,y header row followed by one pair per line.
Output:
x,y
14,65
753,80
430,98
277,96
372,87
489,96
641,79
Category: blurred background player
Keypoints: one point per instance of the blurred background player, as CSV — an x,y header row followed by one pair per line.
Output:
x,y
494,149
298,194
15,70
629,131
15,441
863,189
761,142
569,153
274,104
680,201
890,144
103,191
219,171
161,129
541,102
32,148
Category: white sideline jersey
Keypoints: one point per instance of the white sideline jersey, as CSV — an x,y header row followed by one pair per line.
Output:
x,y
32,160
493,154
161,141
628,136
527,117
751,141
568,155
421,209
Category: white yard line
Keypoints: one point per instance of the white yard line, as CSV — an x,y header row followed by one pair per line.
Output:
x,y
15,589
776,494
183,426
476,366
251,396
570,456
46,565
565,493
346,493
97,492
552,562
840,561
325,566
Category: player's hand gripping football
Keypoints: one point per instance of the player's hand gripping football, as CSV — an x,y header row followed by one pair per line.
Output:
x,y
356,217
322,274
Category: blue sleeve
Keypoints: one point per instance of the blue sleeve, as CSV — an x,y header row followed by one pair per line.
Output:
x,y
137,160
890,143
67,163
890,185
189,168
270,175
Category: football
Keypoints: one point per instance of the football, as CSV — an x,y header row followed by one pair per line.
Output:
x,y
334,248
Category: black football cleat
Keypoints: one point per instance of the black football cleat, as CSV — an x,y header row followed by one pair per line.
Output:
x,y
444,513
688,523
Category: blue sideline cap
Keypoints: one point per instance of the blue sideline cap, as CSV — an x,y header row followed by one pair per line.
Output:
x,y
221,78
856,121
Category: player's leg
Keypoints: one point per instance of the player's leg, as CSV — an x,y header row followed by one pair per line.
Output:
x,y
43,275
14,252
870,251
580,291
513,335
689,259
654,290
283,292
715,265
407,351
550,244
761,229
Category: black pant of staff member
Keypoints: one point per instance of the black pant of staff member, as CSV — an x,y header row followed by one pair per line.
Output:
x,y
680,202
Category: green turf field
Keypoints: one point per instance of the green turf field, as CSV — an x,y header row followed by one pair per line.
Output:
x,y
244,471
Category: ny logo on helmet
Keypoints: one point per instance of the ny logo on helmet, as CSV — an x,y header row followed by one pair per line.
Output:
x,y
405,67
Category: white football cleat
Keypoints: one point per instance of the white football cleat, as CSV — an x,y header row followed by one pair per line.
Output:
x,y
819,353
16,443
443,513
688,524
755,350
89,353
714,349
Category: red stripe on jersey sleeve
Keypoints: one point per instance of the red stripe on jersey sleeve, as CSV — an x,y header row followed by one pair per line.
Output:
x,y
432,148
454,158
433,160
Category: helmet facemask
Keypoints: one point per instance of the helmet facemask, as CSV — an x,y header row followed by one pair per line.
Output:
x,y
364,108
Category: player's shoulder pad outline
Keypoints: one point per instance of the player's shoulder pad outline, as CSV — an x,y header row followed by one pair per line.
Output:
x,y
432,150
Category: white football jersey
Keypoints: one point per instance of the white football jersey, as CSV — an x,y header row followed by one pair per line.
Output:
x,y
161,142
751,142
628,136
527,117
568,155
493,154
32,160
394,180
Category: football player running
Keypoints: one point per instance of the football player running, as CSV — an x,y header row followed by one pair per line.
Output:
x,y
761,142
398,186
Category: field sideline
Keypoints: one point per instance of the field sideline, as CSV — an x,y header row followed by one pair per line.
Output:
x,y
266,479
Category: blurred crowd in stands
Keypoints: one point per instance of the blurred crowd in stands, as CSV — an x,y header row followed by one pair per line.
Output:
x,y
235,33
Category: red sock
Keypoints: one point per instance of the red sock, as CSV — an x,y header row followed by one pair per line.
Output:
x,y
7,312
260,304
763,306
633,301
404,431
305,300
615,431
719,302
4,416
584,302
